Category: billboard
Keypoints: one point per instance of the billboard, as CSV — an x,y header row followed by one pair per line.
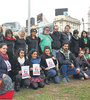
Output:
x,y
39,18
63,11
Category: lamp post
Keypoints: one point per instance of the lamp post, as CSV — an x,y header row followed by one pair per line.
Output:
x,y
28,17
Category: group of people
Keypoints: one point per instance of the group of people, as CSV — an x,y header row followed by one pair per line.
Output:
x,y
56,53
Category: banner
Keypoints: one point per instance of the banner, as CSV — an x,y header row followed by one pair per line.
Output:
x,y
25,72
36,69
50,63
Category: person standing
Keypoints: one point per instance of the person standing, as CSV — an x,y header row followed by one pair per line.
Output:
x,y
45,39
1,35
20,41
33,42
75,43
58,38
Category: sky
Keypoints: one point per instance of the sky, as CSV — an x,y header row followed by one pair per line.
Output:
x,y
17,10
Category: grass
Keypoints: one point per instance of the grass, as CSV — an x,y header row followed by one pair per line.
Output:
x,y
75,90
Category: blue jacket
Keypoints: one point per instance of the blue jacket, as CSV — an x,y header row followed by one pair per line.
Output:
x,y
3,67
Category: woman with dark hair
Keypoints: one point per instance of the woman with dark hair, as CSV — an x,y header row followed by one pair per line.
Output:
x,y
45,39
84,41
1,35
48,63
7,91
36,80
75,43
17,63
20,41
33,42
10,41
87,54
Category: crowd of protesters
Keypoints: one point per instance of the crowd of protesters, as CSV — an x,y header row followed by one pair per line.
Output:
x,y
69,54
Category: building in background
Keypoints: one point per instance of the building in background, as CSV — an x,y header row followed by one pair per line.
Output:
x,y
62,21
14,26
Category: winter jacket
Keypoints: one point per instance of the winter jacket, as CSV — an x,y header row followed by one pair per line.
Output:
x,y
44,64
3,67
82,43
57,38
63,61
33,43
74,45
83,63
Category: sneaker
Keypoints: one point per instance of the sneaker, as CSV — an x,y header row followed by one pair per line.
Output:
x,y
82,78
26,87
68,80
46,81
64,80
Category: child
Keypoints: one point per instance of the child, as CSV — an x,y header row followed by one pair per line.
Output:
x,y
36,80
87,55
17,63
49,72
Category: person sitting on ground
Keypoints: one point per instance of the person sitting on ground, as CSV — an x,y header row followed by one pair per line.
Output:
x,y
34,62
49,62
83,64
17,62
67,62
6,89
87,54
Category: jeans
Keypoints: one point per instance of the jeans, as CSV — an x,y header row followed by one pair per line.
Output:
x,y
54,52
67,70
52,74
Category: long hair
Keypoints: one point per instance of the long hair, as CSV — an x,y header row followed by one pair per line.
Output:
x,y
82,34
8,31
31,52
85,49
44,54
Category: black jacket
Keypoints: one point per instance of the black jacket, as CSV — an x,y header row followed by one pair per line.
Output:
x,y
44,64
16,67
83,63
74,46
82,43
33,43
66,37
63,61
57,40
10,50
20,43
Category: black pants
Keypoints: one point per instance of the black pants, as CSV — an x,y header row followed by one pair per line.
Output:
x,y
38,84
25,82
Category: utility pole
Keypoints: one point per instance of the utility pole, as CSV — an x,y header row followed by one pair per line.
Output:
x,y
28,17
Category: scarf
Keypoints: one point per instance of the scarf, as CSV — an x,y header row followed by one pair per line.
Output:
x,y
85,40
76,37
21,60
35,61
4,56
66,53
10,38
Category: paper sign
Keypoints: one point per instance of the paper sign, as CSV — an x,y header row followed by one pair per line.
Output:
x,y
25,72
36,69
8,65
50,63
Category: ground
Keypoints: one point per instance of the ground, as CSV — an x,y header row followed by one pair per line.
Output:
x,y
74,90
